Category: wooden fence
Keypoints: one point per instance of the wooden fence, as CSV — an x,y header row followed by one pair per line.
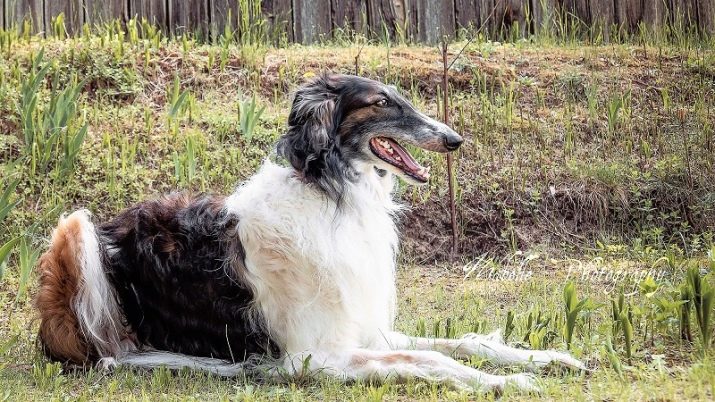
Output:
x,y
428,21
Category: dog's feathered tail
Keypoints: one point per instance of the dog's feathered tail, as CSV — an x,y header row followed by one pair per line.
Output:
x,y
80,318
175,361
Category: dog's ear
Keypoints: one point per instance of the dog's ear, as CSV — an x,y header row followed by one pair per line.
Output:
x,y
311,143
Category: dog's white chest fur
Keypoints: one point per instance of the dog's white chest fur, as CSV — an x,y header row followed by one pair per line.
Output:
x,y
321,278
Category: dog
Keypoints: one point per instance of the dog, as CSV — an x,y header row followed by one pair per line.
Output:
x,y
294,271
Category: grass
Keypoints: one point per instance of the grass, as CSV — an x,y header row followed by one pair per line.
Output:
x,y
585,193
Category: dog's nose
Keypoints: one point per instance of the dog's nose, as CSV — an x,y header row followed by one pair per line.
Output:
x,y
453,142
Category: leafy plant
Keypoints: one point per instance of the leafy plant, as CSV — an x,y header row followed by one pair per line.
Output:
x,y
248,116
615,104
509,326
537,332
613,357
177,101
53,133
5,251
28,258
47,375
703,295
6,202
572,309
623,322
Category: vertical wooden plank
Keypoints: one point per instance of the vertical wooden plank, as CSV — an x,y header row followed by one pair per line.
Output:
x,y
19,10
634,14
603,13
349,15
73,13
2,14
544,14
104,11
706,16
654,14
381,16
154,11
412,20
223,13
516,13
401,21
280,16
620,13
311,19
467,14
682,12
437,20
200,18
189,17
582,10
178,17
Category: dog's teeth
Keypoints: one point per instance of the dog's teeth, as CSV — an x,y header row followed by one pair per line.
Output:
x,y
398,158
390,151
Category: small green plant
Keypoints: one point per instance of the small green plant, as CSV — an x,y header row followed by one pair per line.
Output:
x,y
509,326
377,394
186,162
48,375
161,378
613,356
623,322
537,333
703,295
58,26
7,203
5,251
572,308
53,135
27,260
248,116
177,101
615,104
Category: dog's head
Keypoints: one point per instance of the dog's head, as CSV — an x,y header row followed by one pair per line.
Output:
x,y
338,122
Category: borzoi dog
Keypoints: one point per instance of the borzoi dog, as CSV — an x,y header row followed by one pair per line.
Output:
x,y
297,266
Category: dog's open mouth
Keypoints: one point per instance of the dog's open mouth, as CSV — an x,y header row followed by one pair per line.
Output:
x,y
393,153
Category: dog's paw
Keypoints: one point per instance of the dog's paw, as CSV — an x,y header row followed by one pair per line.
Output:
x,y
107,364
495,336
524,382
564,359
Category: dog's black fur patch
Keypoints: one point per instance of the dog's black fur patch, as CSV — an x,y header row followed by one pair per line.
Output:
x,y
175,265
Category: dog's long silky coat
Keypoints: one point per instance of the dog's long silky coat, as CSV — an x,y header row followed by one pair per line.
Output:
x,y
296,266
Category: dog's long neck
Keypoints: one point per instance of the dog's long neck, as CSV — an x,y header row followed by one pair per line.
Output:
x,y
317,267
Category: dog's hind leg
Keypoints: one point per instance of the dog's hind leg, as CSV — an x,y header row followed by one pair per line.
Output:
x,y
402,365
489,347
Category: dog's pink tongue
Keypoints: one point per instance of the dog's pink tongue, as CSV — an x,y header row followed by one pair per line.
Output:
x,y
407,159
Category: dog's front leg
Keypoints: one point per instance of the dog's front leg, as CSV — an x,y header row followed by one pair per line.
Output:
x,y
401,365
489,347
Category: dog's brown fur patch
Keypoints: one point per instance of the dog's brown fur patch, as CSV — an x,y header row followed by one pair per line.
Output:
x,y
60,273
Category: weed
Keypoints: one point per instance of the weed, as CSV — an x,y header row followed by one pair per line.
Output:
x,y
27,260
55,133
5,251
47,376
703,295
623,322
572,308
249,115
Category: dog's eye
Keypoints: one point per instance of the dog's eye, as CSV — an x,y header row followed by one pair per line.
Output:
x,y
382,102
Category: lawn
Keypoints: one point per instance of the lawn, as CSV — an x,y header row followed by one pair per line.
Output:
x,y
585,195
